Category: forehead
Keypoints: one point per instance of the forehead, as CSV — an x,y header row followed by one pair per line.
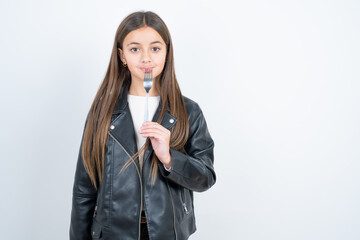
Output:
x,y
144,35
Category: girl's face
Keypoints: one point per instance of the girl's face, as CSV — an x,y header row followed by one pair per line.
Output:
x,y
143,50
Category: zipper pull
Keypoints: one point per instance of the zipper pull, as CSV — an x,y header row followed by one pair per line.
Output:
x,y
185,208
95,211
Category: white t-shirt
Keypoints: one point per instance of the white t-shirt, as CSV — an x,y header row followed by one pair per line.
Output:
x,y
137,109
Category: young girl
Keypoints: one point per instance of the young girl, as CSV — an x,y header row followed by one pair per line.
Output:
x,y
135,179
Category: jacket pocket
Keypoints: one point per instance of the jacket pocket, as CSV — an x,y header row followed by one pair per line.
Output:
x,y
96,229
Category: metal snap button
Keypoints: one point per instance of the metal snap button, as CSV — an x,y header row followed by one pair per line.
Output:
x,y
112,127
171,120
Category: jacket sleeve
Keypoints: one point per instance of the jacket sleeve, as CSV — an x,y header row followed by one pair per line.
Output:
x,y
83,202
195,170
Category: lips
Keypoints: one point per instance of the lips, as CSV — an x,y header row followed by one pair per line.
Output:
x,y
146,69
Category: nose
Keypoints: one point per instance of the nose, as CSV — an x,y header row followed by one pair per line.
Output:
x,y
145,57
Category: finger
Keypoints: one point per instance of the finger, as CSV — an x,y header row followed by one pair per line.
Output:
x,y
161,131
155,126
152,131
155,135
156,131
165,133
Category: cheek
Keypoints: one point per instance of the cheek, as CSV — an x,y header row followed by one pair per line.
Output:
x,y
161,60
132,62
131,59
133,68
160,64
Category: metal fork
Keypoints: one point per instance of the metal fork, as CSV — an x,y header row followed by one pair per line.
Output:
x,y
148,80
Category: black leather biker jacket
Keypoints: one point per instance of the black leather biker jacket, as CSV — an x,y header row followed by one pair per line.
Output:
x,y
113,211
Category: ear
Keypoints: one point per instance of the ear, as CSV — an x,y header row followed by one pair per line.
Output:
x,y
121,54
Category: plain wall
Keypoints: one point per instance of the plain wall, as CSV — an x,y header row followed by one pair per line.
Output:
x,y
278,82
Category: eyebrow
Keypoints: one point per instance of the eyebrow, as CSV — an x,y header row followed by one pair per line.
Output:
x,y
136,43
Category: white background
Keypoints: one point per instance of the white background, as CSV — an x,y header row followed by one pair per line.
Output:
x,y
278,82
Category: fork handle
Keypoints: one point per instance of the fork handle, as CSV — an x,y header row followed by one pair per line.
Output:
x,y
146,116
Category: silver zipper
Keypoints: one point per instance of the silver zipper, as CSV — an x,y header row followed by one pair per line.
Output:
x,y
185,208
95,211
172,204
140,183
183,200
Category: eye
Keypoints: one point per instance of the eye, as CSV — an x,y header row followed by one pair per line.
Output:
x,y
156,49
134,50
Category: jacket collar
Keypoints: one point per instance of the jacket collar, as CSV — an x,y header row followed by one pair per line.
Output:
x,y
122,106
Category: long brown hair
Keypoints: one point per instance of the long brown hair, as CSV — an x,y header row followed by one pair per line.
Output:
x,y
117,75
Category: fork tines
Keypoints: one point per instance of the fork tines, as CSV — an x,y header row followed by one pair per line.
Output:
x,y
148,78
